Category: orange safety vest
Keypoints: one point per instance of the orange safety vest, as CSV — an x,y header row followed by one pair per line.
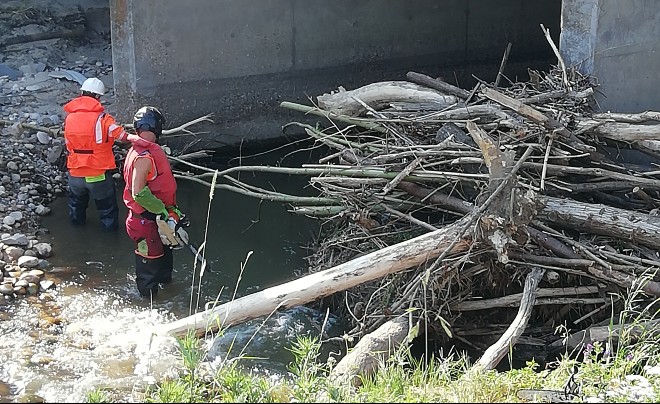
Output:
x,y
160,179
89,134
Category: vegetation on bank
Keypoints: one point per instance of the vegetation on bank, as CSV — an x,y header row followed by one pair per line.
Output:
x,y
616,370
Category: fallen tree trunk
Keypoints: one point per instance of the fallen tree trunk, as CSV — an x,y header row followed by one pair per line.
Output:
x,y
636,227
604,333
373,348
380,95
514,299
571,214
312,287
625,132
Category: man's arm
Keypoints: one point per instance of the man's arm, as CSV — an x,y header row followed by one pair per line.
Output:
x,y
141,169
117,132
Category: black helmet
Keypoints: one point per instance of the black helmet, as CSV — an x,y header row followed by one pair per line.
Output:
x,y
149,118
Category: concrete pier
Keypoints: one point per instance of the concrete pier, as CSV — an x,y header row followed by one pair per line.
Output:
x,y
617,42
240,59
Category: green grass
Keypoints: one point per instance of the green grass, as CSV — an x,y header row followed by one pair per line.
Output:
x,y
99,396
605,371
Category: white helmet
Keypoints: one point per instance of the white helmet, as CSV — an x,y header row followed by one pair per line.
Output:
x,y
93,85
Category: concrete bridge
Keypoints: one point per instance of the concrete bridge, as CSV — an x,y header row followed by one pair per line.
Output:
x,y
240,59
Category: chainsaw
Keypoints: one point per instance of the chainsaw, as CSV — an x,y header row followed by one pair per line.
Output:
x,y
173,234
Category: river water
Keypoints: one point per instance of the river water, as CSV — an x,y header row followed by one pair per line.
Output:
x,y
95,330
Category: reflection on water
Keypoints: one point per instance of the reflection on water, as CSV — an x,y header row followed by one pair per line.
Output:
x,y
94,331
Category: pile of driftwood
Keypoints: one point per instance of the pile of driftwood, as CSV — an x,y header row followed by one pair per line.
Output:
x,y
507,183
483,218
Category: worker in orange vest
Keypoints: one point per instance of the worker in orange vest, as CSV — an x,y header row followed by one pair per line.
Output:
x,y
89,134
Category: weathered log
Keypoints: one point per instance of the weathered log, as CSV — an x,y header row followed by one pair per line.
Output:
x,y
636,227
605,333
591,218
437,84
365,123
380,95
372,349
526,111
640,117
514,299
312,287
624,132
494,354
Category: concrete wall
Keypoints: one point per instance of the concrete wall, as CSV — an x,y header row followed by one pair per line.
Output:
x,y
617,42
240,59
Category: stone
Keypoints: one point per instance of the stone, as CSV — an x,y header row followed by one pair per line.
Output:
x,y
54,154
14,253
36,272
28,262
43,250
46,285
15,239
43,137
18,216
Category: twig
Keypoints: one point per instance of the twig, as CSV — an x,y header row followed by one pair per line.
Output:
x,y
545,161
409,218
503,64
205,118
546,32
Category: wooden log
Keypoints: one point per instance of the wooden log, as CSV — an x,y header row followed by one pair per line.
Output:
x,y
568,213
514,299
526,111
623,132
604,333
365,123
641,117
636,227
438,84
378,96
374,348
312,287
494,354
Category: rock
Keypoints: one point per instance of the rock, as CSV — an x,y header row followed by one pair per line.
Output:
x,y
42,210
43,137
54,154
28,262
13,74
32,288
29,278
14,253
20,290
6,289
44,250
18,216
36,272
14,239
46,285
8,220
